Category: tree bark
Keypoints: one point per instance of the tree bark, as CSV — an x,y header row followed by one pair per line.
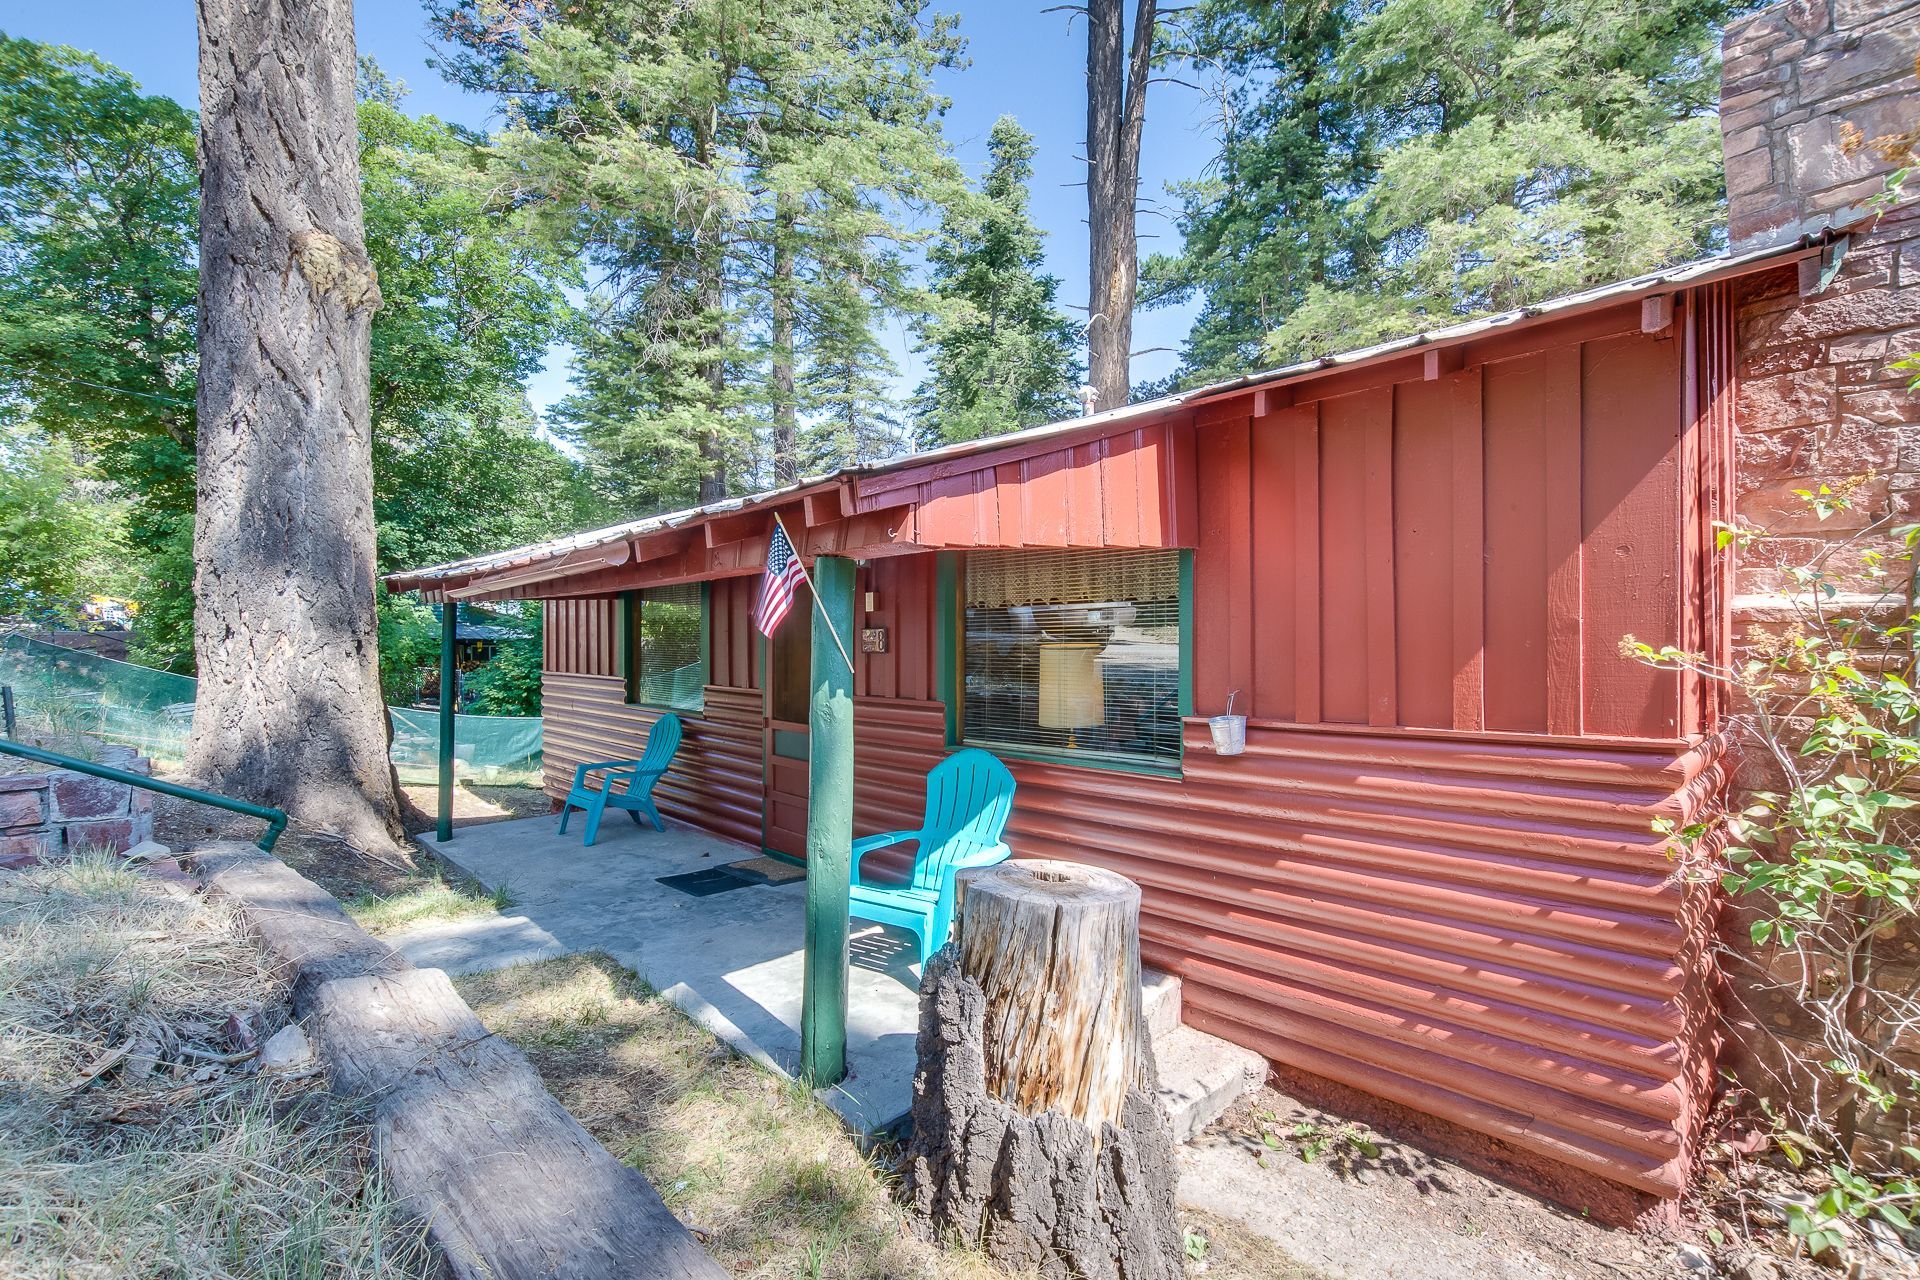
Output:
x,y
1116,112
1037,1136
786,450
710,261
289,710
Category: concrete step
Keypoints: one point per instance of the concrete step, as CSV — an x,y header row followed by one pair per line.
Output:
x,y
1160,997
1200,1075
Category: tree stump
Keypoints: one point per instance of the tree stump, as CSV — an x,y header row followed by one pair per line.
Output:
x,y
1037,1137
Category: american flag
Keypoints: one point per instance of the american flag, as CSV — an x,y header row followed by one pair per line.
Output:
x,y
784,575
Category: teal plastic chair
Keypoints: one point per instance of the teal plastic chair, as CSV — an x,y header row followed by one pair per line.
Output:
x,y
969,795
639,777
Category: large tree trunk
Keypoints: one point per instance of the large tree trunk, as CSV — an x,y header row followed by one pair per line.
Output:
x,y
289,710
1037,1136
1116,111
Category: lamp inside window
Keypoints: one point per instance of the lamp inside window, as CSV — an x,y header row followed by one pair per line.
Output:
x,y
1076,652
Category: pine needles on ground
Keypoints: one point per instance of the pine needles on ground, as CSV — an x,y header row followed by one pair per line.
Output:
x,y
137,1135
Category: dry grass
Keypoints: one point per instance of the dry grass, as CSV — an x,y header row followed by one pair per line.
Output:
x,y
765,1172
1224,1250
136,1136
430,897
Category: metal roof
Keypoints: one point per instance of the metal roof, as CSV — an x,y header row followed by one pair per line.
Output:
x,y
1699,271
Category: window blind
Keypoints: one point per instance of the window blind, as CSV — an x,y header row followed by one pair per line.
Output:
x,y
665,665
1076,652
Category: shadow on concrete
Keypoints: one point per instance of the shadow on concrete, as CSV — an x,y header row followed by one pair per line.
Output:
x,y
732,960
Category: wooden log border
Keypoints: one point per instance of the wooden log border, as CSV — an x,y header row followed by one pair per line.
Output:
x,y
510,1185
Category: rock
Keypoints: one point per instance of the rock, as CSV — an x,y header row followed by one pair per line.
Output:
x,y
143,1059
147,849
1694,1260
79,795
286,1050
1755,1266
239,1032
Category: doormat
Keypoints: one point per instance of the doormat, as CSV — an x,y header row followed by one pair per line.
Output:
x,y
765,871
704,884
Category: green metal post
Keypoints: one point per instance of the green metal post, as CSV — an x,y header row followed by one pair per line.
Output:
x,y
946,634
449,622
823,1003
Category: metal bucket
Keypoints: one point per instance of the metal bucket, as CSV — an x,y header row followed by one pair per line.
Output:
x,y
1229,730
1229,734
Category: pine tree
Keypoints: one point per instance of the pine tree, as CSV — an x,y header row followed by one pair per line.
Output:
x,y
847,386
1266,221
1427,160
288,711
1001,355
99,209
1119,63
713,167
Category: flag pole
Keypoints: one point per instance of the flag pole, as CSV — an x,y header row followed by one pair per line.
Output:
x,y
838,643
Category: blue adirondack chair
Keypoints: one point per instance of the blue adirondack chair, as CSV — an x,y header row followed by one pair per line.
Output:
x,y
969,795
663,739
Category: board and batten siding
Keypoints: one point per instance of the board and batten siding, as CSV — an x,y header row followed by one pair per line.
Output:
x,y
1464,553
1432,877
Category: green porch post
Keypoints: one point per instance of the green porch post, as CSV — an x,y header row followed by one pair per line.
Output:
x,y
823,1004
449,622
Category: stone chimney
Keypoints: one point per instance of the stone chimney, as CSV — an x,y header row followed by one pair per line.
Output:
x,y
1815,98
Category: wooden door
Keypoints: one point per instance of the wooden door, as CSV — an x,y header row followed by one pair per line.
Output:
x,y
789,685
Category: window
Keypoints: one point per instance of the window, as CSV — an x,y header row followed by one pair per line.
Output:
x,y
1076,652
666,649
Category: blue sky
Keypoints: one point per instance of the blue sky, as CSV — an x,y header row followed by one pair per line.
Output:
x,y
1023,62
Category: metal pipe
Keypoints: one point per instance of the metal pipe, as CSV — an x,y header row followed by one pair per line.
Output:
x,y
449,624
276,819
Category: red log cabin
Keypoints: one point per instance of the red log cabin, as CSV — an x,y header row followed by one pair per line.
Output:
x,y
1432,876
1430,885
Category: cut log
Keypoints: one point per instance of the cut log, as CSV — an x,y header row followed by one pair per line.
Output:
x,y
1037,1137
306,932
510,1185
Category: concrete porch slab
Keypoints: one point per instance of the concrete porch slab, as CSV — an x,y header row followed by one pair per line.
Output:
x,y
731,960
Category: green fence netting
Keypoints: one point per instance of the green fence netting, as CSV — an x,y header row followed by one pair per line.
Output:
x,y
69,691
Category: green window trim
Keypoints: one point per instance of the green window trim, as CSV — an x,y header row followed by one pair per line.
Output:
x,y
1081,760
946,638
951,681
1186,640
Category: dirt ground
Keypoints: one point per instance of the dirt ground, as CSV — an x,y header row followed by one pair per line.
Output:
x,y
181,824
1277,1190
1354,1203
474,804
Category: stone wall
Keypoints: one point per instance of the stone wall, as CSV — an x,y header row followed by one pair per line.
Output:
x,y
1797,80
1808,85
47,813
1819,402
